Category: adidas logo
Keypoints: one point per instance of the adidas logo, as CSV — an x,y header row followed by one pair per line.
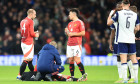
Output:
x,y
33,76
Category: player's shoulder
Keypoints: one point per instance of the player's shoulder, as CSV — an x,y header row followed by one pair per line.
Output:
x,y
25,19
80,22
130,11
29,20
133,12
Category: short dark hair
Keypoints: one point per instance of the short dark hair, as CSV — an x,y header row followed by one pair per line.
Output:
x,y
126,2
120,2
75,10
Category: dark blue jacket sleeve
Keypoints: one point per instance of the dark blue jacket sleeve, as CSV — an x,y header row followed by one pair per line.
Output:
x,y
57,57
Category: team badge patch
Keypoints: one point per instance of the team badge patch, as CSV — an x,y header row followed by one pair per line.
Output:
x,y
75,25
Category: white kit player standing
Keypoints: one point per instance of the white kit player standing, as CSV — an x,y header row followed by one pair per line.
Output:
x,y
127,21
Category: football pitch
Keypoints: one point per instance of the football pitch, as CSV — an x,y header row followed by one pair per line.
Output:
x,y
96,75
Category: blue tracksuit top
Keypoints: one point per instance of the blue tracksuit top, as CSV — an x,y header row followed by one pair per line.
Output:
x,y
46,57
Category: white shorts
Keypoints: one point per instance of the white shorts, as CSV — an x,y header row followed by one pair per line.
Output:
x,y
74,51
28,50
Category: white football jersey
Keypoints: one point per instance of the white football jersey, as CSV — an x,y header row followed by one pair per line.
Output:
x,y
114,26
127,20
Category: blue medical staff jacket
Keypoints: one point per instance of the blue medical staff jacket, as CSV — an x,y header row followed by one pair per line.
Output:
x,y
46,57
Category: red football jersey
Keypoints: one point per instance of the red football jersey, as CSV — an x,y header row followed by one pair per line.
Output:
x,y
76,27
27,31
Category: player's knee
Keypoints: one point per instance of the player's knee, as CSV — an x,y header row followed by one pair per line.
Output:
x,y
71,60
30,59
77,60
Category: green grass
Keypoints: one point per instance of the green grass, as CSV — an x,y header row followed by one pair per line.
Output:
x,y
96,75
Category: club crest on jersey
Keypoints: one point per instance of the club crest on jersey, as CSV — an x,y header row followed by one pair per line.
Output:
x,y
75,25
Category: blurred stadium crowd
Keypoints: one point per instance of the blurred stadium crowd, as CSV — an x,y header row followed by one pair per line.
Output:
x,y
52,18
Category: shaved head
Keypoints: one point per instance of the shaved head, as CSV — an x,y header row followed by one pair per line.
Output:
x,y
30,11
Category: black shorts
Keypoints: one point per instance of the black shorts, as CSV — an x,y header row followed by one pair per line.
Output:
x,y
138,48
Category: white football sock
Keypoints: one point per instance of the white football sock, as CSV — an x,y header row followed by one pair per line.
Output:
x,y
135,66
119,69
124,71
130,65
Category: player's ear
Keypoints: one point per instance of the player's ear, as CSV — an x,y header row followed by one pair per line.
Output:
x,y
74,13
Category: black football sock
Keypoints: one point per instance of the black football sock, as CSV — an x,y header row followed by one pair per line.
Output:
x,y
129,70
30,65
23,67
59,78
118,58
81,67
72,68
129,73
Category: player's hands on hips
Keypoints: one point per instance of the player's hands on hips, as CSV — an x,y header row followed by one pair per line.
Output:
x,y
36,34
111,47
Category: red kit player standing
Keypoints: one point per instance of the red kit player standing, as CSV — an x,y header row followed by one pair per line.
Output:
x,y
27,44
75,31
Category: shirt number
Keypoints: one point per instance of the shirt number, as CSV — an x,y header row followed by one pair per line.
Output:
x,y
23,28
127,22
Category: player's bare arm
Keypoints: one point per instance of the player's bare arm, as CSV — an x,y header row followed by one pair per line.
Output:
x,y
82,33
137,28
112,36
109,21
